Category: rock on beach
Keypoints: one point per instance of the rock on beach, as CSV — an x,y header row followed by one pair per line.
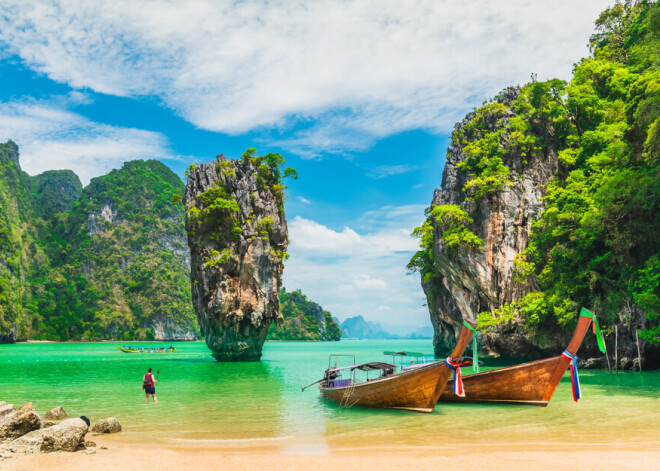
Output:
x,y
68,435
19,422
109,425
5,409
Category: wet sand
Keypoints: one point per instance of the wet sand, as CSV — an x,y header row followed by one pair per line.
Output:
x,y
317,456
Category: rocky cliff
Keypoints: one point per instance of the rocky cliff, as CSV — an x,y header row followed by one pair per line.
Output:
x,y
18,252
107,262
237,235
123,251
473,280
550,201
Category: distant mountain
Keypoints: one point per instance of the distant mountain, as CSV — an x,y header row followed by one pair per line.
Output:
x,y
358,328
407,331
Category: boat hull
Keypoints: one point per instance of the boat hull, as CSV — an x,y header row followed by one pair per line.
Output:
x,y
148,350
126,350
412,390
531,383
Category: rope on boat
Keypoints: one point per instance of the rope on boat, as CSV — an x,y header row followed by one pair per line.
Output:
x,y
475,354
458,381
575,380
584,312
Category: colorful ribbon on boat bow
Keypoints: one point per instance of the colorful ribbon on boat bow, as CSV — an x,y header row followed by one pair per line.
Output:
x,y
475,354
596,329
575,380
458,381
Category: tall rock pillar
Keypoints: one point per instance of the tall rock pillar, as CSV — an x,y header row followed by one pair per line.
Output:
x,y
238,237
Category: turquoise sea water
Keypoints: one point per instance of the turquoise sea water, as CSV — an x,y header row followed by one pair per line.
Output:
x,y
233,403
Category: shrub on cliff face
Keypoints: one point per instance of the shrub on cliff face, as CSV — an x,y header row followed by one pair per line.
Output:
x,y
453,222
645,288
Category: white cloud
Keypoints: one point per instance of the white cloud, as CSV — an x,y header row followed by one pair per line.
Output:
x,y
383,171
50,137
355,70
315,238
304,200
351,273
365,282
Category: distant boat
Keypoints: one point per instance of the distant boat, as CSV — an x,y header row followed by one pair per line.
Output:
x,y
415,388
531,383
147,349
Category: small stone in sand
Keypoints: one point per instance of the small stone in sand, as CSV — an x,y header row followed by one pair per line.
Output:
x,y
90,444
89,452
104,447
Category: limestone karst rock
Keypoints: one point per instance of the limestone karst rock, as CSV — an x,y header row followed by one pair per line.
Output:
x,y
237,234
116,247
473,281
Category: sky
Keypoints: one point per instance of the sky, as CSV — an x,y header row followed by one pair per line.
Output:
x,y
360,96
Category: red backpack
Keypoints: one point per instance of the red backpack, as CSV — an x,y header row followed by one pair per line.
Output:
x,y
147,382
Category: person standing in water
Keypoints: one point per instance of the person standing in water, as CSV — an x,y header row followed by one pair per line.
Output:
x,y
148,385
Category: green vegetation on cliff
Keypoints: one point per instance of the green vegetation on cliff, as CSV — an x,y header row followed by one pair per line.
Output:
x,y
453,221
597,241
109,261
303,320
54,191
19,254
119,260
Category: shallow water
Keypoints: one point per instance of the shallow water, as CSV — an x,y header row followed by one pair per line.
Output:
x,y
248,404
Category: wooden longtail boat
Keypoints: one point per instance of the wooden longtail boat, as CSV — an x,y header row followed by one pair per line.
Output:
x,y
149,349
531,383
415,388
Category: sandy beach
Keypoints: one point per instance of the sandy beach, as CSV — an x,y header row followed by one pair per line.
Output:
x,y
202,456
